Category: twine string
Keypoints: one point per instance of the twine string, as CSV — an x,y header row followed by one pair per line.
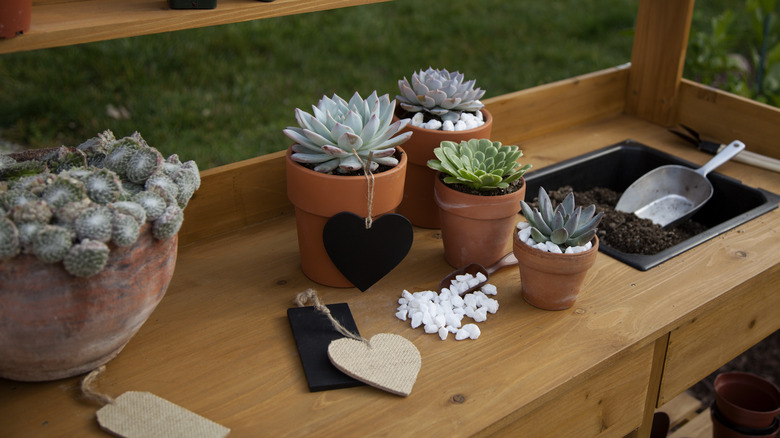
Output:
x,y
370,180
88,387
310,296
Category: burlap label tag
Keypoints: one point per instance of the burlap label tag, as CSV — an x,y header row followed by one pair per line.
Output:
x,y
389,362
144,415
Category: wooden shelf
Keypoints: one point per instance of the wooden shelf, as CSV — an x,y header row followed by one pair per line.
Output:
x,y
58,23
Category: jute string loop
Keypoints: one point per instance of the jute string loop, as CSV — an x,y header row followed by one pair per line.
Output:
x,y
370,179
310,296
87,387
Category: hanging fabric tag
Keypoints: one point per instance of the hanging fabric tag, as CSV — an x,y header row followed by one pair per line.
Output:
x,y
142,414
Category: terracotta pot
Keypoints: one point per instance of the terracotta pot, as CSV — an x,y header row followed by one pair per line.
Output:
x,y
724,428
418,204
552,281
318,196
747,399
54,325
14,17
475,229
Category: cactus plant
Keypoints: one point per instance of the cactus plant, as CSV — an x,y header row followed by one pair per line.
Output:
x,y
566,226
336,130
440,93
74,204
480,164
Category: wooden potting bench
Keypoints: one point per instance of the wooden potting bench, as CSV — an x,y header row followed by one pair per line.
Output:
x,y
220,344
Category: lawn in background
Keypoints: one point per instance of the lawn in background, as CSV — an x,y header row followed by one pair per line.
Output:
x,y
223,94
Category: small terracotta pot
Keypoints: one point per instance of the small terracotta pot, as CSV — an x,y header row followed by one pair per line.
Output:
x,y
552,281
747,399
14,17
475,229
724,428
54,325
318,196
418,204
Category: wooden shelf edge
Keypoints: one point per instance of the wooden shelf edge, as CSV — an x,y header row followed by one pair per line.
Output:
x,y
57,23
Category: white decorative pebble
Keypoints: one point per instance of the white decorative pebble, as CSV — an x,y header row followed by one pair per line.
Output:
x,y
434,125
447,126
443,312
472,330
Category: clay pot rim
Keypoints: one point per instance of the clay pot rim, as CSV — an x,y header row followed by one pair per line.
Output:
x,y
488,118
401,163
767,387
595,246
498,197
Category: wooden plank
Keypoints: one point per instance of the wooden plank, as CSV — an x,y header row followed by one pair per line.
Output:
x,y
66,22
607,403
657,59
681,409
722,116
546,108
700,426
236,195
722,329
651,399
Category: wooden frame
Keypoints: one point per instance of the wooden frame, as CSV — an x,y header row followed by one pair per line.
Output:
x,y
219,345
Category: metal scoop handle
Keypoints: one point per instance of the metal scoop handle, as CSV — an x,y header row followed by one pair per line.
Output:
x,y
726,154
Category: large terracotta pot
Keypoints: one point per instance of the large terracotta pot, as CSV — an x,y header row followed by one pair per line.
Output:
x,y
418,205
54,325
552,281
475,229
14,17
318,196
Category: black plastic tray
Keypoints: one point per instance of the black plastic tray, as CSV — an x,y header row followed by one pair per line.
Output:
x,y
617,166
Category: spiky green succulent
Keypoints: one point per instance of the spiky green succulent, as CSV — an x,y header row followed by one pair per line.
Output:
x,y
479,163
567,225
74,204
440,93
86,258
336,130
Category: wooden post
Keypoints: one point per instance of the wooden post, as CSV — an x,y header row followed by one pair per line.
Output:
x,y
657,59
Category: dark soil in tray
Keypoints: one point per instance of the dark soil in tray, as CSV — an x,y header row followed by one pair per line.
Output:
x,y
624,231
628,233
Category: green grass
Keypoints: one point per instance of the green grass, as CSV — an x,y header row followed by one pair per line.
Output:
x,y
223,94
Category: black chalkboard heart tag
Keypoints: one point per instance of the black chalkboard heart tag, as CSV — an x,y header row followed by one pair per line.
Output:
x,y
365,255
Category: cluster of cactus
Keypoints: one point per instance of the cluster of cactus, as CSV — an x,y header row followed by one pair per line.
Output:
x,y
337,130
439,93
480,164
71,204
564,226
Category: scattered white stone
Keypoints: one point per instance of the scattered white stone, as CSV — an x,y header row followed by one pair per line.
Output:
x,y
447,126
443,312
524,234
434,125
489,289
418,119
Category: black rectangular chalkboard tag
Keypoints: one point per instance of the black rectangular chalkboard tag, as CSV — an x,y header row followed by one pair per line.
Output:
x,y
313,332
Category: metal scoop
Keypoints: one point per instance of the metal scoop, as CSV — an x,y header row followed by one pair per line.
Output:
x,y
671,193
474,268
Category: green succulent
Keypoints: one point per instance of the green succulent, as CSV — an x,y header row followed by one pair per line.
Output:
x,y
479,163
440,93
73,205
337,129
564,226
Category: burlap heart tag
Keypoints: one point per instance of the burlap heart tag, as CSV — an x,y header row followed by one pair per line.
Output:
x,y
389,362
